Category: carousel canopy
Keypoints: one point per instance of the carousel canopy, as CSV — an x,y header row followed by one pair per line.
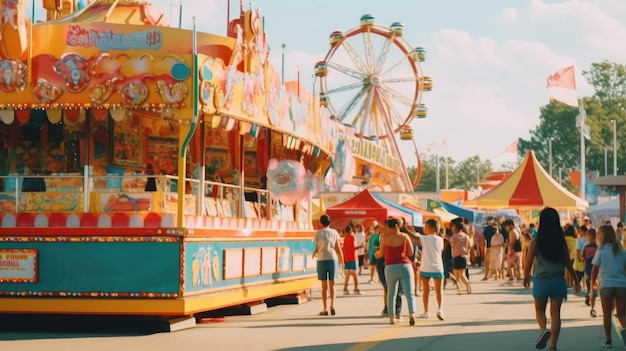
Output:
x,y
529,187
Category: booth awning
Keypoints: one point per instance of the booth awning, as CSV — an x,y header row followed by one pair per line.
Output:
x,y
364,206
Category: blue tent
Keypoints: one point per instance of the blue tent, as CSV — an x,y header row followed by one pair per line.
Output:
x,y
471,215
417,217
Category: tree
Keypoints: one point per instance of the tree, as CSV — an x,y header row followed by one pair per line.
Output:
x,y
470,171
609,81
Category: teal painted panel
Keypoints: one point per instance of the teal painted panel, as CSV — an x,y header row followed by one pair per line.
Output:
x,y
102,267
204,263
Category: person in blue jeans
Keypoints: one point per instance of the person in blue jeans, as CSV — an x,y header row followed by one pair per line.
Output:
x,y
396,248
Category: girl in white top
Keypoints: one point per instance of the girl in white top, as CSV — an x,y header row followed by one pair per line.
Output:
x,y
431,265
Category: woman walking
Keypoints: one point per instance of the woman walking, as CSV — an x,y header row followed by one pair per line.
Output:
x,y
549,257
396,248
609,264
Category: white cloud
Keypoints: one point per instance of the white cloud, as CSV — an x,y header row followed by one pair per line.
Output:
x,y
509,15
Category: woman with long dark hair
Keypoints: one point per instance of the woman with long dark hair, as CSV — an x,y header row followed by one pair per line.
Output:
x,y
549,257
609,265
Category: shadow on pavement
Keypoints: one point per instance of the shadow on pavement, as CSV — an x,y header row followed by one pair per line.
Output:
x,y
37,326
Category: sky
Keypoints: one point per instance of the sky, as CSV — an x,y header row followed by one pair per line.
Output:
x,y
489,59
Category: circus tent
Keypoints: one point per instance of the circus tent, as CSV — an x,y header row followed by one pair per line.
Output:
x,y
528,187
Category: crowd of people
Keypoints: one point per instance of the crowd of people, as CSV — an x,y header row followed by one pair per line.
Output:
x,y
410,261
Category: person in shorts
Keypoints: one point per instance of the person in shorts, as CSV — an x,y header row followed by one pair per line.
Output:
x,y
329,255
609,266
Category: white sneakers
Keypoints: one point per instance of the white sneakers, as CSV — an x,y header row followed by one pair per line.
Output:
x,y
440,315
424,315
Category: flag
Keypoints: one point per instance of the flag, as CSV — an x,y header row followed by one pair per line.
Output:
x,y
511,149
442,144
429,148
562,86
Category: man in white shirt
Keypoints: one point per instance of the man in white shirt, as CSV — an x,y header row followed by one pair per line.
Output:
x,y
360,245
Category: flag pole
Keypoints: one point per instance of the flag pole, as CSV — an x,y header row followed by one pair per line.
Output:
x,y
437,174
447,165
583,174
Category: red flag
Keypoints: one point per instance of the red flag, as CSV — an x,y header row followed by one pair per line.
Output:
x,y
563,78
562,86
574,177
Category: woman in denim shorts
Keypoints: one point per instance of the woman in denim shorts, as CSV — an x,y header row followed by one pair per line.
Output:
x,y
609,263
549,256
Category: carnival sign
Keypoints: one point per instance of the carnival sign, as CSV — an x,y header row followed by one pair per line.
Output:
x,y
18,266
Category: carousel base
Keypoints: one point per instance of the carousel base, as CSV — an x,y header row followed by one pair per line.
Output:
x,y
183,308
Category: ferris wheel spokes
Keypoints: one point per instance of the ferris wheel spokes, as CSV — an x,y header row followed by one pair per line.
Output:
x,y
346,70
346,88
368,46
384,52
393,114
365,108
407,55
399,97
348,106
355,57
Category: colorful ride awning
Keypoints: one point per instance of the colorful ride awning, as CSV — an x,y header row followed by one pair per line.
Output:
x,y
529,187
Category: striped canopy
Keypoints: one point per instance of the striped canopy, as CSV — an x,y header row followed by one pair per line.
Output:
x,y
529,187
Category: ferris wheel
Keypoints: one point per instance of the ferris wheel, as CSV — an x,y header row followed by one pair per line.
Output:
x,y
371,79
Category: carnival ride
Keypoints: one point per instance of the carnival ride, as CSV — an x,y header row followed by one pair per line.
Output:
x,y
372,81
99,103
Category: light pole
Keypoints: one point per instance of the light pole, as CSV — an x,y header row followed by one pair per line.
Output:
x,y
614,122
282,72
550,154
605,166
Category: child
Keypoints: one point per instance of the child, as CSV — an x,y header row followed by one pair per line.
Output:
x,y
587,256
350,261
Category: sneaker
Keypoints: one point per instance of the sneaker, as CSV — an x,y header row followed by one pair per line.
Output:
x,y
593,313
440,315
543,339
607,345
424,315
411,320
371,282
399,318
587,300
358,292
384,313
469,288
346,292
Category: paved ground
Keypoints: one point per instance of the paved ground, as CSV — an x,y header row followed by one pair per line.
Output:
x,y
496,316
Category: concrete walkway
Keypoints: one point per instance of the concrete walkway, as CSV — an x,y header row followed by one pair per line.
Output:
x,y
496,316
